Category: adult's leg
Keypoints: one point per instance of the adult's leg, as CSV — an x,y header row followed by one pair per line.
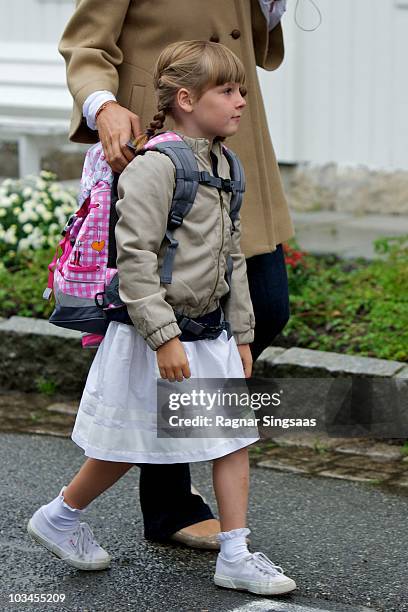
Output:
x,y
169,505
268,286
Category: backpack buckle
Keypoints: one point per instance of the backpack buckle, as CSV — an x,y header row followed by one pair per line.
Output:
x,y
175,220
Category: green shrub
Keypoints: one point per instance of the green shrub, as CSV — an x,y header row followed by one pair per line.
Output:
x,y
355,307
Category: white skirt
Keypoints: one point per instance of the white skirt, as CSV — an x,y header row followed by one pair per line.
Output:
x,y
117,415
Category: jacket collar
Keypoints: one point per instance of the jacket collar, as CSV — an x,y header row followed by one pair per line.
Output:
x,y
200,145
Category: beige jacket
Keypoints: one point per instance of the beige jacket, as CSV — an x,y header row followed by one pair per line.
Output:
x,y
145,190
113,45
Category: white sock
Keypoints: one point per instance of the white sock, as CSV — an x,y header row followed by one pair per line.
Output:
x,y
60,514
233,543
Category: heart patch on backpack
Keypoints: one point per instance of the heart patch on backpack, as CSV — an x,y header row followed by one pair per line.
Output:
x,y
98,245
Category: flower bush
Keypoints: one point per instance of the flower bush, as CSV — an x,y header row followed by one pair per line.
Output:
x,y
297,265
33,211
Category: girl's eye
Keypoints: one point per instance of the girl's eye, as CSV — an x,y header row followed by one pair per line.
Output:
x,y
229,90
243,91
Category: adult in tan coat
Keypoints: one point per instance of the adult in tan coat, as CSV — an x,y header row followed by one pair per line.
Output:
x,y
110,48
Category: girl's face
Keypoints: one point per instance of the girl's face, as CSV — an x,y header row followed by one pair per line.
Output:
x,y
216,113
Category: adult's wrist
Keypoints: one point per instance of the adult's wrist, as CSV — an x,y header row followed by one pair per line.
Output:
x,y
102,108
92,104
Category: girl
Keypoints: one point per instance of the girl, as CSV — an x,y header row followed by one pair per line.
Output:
x,y
200,85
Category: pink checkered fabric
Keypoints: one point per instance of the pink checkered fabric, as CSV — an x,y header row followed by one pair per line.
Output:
x,y
166,137
83,273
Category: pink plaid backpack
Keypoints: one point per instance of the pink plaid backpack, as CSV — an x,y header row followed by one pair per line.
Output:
x,y
84,278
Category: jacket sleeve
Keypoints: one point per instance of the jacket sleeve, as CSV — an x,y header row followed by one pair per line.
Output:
x,y
268,44
145,190
238,309
89,47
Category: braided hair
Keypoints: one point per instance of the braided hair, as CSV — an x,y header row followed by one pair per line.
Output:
x,y
157,124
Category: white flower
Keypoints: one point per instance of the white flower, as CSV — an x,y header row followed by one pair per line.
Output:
x,y
45,174
27,192
24,244
47,215
14,198
29,205
40,184
23,217
10,235
28,228
40,208
17,210
3,212
6,202
7,182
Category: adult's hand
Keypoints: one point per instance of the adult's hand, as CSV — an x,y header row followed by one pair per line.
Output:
x,y
116,126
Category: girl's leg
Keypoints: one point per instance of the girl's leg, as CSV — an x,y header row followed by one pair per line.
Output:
x,y
236,567
94,477
57,525
231,486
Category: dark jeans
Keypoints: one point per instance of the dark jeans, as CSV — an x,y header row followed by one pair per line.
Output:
x,y
165,490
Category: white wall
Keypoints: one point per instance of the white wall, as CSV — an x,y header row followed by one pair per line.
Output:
x,y
342,93
340,96
29,21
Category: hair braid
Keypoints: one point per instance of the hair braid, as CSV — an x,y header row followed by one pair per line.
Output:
x,y
157,124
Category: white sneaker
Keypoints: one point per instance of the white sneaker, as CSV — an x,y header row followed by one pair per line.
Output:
x,y
254,573
76,546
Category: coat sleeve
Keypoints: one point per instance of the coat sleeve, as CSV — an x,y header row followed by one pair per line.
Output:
x,y
238,309
89,47
268,44
145,190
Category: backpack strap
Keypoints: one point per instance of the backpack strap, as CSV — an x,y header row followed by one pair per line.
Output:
x,y
187,181
113,219
238,181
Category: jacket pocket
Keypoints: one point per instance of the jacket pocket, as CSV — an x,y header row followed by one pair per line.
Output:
x,y
137,99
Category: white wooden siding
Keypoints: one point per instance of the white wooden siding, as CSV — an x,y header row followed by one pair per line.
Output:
x,y
341,95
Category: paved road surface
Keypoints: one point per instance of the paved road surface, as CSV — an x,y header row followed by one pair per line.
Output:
x,y
345,543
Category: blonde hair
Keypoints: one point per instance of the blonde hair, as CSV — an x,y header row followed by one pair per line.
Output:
x,y
195,65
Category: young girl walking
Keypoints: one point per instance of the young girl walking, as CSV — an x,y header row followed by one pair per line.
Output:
x,y
200,85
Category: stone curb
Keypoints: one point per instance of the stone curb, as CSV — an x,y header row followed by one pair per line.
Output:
x,y
33,353
280,362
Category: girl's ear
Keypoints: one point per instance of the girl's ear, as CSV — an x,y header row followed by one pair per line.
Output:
x,y
184,100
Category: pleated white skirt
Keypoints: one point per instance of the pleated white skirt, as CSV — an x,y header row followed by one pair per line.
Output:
x,y
117,415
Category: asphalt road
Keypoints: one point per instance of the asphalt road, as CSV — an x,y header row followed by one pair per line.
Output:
x,y
344,543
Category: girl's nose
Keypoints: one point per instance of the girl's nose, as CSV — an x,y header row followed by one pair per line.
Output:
x,y
241,102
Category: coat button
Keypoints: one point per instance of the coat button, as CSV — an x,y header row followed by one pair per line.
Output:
x,y
235,34
214,38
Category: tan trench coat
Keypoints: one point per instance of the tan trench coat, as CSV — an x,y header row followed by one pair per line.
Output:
x,y
113,45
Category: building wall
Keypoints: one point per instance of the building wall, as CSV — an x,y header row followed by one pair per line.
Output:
x,y
28,21
342,93
340,96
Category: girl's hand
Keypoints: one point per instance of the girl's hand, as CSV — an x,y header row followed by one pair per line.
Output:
x,y
246,358
172,361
